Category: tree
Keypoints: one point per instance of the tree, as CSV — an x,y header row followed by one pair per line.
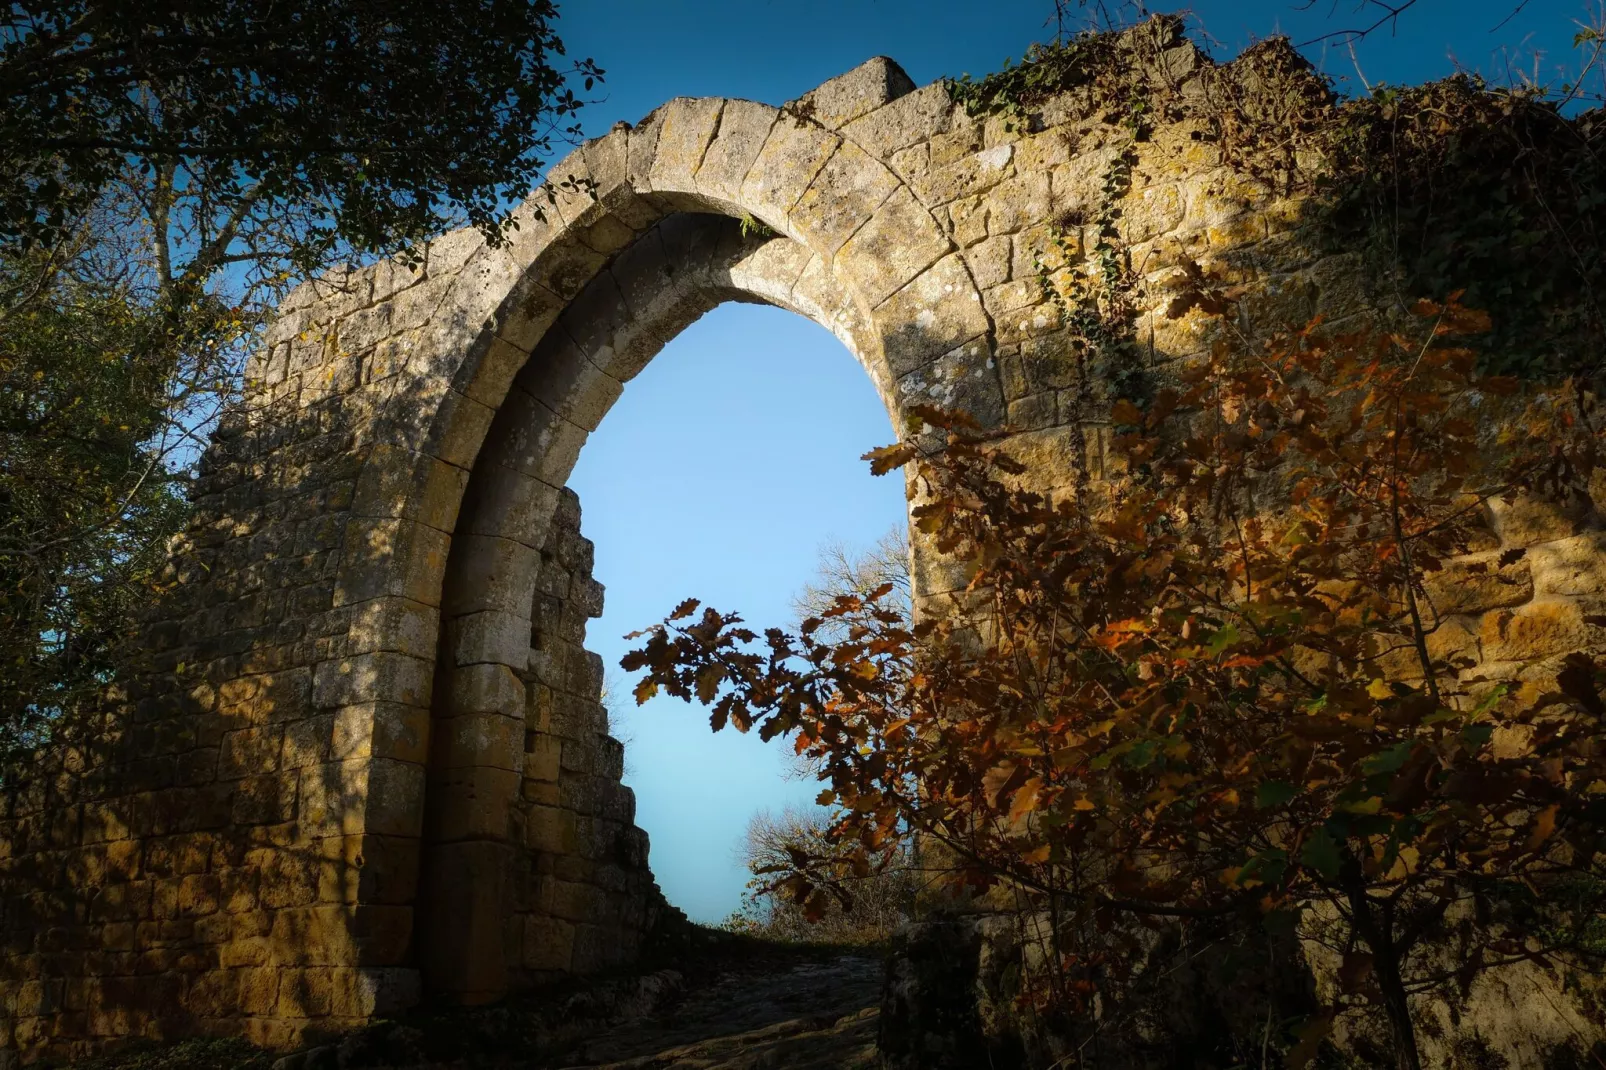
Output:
x,y
287,128
845,571
877,902
167,172
1224,686
86,492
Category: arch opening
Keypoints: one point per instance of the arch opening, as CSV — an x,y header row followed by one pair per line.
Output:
x,y
531,864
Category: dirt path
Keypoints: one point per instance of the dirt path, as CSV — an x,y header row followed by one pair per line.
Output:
x,y
809,1015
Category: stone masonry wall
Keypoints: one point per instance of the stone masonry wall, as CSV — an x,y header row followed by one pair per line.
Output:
x,y
358,754
584,897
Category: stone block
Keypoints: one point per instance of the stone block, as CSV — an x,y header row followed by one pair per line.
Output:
x,y
969,176
471,803
1530,519
563,378
686,127
486,688
470,740
542,756
490,637
550,829
508,504
396,624
570,198
373,991
1454,641
744,126
1540,629
540,442
1573,567
455,431
401,483
898,243
792,155
462,949
395,804
307,742
264,800
1477,582
258,990
607,158
963,380
303,994
250,752
368,869
334,798
548,943
872,84
323,935
934,315
989,263
843,197
772,270
384,557
575,902
918,115
382,730
382,676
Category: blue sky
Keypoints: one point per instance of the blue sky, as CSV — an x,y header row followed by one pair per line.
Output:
x,y
733,457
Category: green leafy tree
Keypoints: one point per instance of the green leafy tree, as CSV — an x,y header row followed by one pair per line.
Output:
x,y
167,172
362,122
85,490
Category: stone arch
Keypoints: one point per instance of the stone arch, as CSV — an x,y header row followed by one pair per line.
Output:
x,y
634,238
487,721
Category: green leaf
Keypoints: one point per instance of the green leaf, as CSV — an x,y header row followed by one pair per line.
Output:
x,y
1267,867
1271,794
1223,638
1320,853
1388,761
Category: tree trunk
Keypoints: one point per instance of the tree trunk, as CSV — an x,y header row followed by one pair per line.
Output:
x,y
1386,967
1379,936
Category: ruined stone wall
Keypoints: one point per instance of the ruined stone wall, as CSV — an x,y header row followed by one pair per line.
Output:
x,y
583,899
360,755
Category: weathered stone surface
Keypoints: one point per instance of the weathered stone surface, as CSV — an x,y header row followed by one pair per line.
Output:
x,y
744,126
792,155
1478,582
1539,630
847,97
899,241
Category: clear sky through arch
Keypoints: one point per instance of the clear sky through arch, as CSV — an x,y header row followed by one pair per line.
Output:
x,y
733,457
718,475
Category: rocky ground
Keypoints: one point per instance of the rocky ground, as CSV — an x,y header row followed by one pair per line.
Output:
x,y
803,1015
729,1004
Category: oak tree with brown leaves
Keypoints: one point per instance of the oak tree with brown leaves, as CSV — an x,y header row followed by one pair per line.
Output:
x,y
1218,685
